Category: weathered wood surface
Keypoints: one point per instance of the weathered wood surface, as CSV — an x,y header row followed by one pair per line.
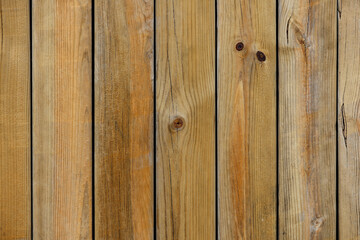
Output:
x,y
124,119
307,119
62,162
310,106
247,119
349,119
15,179
185,119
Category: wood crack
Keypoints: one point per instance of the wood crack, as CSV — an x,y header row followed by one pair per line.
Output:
x,y
343,124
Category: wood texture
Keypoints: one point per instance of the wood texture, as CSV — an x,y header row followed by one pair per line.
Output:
x,y
15,179
349,119
247,119
62,162
185,92
307,119
124,119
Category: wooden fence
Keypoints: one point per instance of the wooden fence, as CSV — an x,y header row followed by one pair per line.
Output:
x,y
179,119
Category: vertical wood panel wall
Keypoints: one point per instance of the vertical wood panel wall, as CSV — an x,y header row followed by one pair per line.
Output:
x,y
62,127
247,119
307,119
191,119
185,115
15,168
124,154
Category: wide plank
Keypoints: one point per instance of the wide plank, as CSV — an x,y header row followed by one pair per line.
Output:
x,y
124,120
62,126
15,168
247,119
307,119
349,119
185,119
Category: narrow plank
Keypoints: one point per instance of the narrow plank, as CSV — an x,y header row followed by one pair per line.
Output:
x,y
62,163
124,119
247,119
349,119
185,111
15,188
307,119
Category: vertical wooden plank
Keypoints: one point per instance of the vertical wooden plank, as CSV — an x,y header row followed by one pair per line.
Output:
x,y
15,189
307,119
62,162
247,119
124,119
185,110
349,119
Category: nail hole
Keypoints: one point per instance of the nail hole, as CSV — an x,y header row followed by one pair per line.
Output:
x,y
260,56
239,46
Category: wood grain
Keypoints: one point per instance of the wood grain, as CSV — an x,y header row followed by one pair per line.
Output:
x,y
349,119
124,119
15,179
185,112
247,119
307,119
62,162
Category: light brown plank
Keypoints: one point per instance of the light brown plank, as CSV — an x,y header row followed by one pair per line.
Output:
x,y
349,119
15,189
307,119
247,119
185,111
124,119
62,162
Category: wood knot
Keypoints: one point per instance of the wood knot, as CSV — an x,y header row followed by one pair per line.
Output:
x,y
316,224
177,124
301,38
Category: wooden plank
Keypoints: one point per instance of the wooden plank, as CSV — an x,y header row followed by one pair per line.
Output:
x,y
15,188
62,146
185,111
307,119
349,119
247,119
124,119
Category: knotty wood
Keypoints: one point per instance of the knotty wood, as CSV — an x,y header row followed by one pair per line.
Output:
x,y
349,122
247,119
307,119
15,189
124,119
62,162
185,90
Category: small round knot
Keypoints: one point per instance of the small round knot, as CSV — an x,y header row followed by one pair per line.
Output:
x,y
260,56
239,46
177,124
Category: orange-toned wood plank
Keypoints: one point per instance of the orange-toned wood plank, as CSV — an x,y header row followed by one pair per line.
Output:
x,y
62,128
185,111
15,179
124,119
247,119
307,119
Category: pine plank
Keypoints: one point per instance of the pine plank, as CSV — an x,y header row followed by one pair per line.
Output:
x,y
307,119
185,111
15,179
349,119
62,126
247,119
124,119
